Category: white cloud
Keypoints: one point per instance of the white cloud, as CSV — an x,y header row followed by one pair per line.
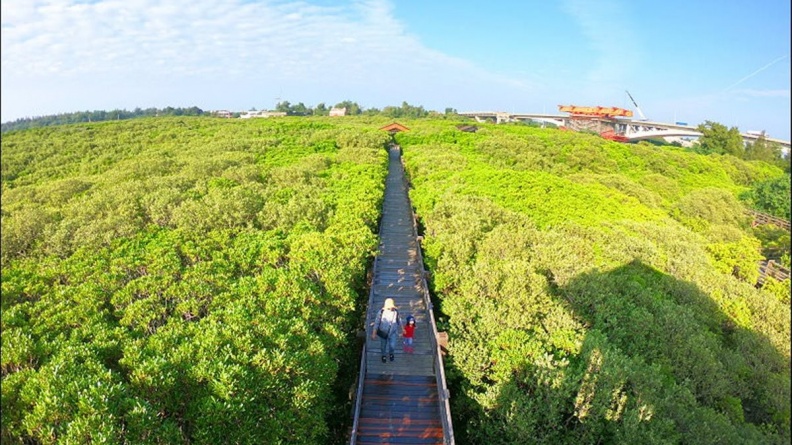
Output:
x,y
355,50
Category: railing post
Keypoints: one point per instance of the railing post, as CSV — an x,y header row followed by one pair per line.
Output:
x,y
443,393
363,368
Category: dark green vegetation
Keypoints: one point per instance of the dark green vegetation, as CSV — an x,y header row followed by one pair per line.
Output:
x,y
770,196
599,292
717,139
185,280
97,116
352,109
197,280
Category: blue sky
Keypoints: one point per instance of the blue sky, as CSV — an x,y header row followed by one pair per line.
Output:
x,y
691,60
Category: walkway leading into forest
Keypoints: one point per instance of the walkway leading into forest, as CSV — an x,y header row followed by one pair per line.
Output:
x,y
404,401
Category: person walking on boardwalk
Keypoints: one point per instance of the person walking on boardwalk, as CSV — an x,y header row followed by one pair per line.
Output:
x,y
387,327
409,334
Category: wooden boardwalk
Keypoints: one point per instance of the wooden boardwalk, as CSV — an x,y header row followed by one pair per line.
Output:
x,y
404,401
760,218
769,268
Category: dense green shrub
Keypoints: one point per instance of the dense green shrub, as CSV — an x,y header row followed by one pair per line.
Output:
x,y
196,280
772,196
599,292
184,280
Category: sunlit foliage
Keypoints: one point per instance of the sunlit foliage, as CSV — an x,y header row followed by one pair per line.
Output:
x,y
199,280
184,280
598,292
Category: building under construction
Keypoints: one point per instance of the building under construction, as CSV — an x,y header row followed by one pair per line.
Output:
x,y
600,120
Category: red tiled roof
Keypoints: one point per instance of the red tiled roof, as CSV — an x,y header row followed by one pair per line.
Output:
x,y
395,128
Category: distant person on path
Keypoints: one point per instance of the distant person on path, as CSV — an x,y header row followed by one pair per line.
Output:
x,y
388,327
409,333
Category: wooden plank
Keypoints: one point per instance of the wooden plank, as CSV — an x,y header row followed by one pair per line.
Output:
x,y
399,440
400,400
398,415
418,432
403,380
389,404
399,391
404,415
400,369
415,423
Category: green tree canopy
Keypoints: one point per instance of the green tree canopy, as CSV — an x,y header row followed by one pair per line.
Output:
x,y
406,110
716,138
352,107
772,196
284,106
321,110
761,150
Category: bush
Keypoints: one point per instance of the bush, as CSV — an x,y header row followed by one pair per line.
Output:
x,y
772,196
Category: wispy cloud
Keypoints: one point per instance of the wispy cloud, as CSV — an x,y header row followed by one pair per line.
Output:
x,y
766,66
353,49
783,93
175,37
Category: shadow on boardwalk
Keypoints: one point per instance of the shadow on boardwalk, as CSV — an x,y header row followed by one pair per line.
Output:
x,y
405,400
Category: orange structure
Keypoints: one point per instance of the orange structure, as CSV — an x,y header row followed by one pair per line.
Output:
x,y
608,112
394,128
601,120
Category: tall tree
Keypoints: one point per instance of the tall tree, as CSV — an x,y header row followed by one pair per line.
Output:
x,y
763,150
716,138
299,110
352,107
284,106
321,110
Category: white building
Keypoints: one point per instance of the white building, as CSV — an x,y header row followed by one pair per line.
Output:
x,y
261,113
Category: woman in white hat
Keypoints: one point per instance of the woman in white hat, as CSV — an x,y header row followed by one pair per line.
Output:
x,y
388,327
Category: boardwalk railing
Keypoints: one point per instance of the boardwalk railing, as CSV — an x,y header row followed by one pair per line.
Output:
x,y
445,409
406,401
362,372
771,269
760,218
363,352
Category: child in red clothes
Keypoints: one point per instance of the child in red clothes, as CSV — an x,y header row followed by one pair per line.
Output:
x,y
409,333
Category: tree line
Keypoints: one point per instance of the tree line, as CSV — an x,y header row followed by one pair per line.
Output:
x,y
718,139
97,116
405,110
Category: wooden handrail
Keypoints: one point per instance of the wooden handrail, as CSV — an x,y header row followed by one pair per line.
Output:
x,y
760,218
771,269
363,369
444,395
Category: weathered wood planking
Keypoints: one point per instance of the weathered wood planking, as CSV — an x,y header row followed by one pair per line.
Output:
x,y
399,401
400,409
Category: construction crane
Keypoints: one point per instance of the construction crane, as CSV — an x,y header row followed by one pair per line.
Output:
x,y
637,108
